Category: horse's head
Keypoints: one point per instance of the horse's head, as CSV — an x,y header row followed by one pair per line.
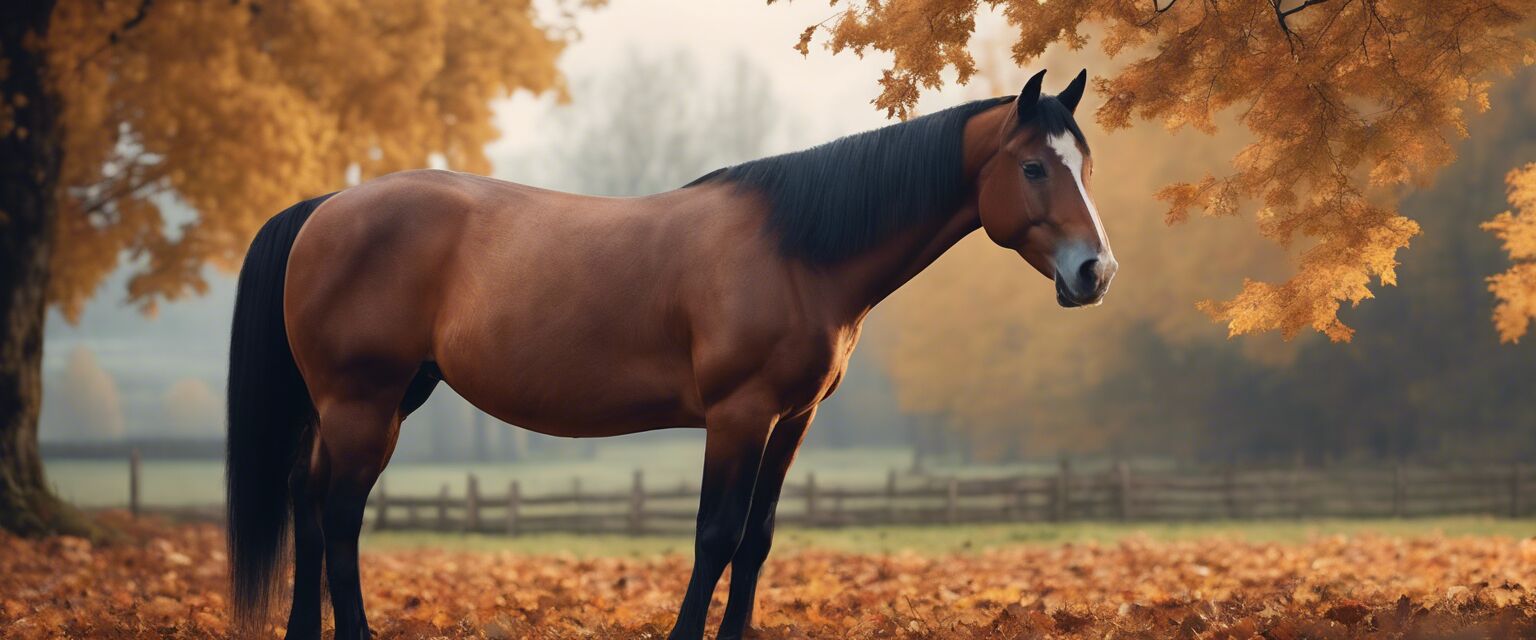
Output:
x,y
1033,195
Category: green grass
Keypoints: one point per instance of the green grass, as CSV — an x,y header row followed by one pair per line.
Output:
x,y
950,539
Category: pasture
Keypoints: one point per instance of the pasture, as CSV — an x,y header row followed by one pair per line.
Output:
x,y
941,541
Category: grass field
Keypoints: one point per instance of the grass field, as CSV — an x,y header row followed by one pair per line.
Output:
x,y
939,540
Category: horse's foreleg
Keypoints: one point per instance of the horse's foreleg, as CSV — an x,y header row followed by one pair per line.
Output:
x,y
758,538
356,439
733,450
306,486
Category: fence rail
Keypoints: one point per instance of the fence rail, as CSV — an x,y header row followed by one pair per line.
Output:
x,y
1119,494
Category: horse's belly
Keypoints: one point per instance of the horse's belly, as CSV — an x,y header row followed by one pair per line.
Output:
x,y
569,324
578,393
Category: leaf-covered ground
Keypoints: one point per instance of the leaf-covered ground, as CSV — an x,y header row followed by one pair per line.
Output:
x,y
169,581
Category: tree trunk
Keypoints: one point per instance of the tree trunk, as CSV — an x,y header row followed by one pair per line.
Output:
x,y
29,172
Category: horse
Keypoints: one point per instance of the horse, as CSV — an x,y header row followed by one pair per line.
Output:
x,y
731,304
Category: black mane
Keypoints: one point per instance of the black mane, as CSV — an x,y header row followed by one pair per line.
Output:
x,y
837,199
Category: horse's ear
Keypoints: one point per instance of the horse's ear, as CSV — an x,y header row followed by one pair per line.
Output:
x,y
1029,97
1074,92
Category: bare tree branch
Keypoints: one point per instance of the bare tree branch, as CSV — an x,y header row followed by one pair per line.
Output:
x,y
1157,11
1281,15
139,14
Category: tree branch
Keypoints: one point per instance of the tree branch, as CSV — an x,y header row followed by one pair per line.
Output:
x,y
129,185
1281,15
1157,11
138,16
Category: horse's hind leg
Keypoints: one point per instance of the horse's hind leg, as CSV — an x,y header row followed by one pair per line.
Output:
x,y
357,436
306,487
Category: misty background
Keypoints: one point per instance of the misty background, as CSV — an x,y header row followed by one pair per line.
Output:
x,y
972,361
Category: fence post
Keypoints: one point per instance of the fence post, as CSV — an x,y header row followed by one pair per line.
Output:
x,y
382,521
1229,490
1017,507
952,501
1060,505
637,505
442,508
133,482
890,496
579,520
1516,507
472,504
514,496
1399,491
810,499
1123,476
1293,487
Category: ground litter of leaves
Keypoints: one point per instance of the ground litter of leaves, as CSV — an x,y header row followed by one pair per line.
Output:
x,y
168,581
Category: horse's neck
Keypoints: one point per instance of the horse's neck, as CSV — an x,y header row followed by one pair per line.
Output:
x,y
875,275
872,277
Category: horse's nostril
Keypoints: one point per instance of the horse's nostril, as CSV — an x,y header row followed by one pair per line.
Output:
x,y
1088,274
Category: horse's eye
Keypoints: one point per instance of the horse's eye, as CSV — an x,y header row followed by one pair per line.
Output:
x,y
1033,170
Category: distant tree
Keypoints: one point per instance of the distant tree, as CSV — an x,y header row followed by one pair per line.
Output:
x,y
1345,100
654,123
235,108
191,410
514,444
1516,228
482,443
86,401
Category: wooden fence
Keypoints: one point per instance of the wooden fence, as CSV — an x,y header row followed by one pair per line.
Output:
x,y
1115,494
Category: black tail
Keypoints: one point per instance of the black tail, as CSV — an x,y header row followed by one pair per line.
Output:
x,y
269,409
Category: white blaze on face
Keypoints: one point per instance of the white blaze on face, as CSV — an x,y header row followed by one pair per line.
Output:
x,y
1065,146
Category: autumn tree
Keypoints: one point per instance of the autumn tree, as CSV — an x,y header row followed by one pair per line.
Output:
x,y
1346,101
110,107
1516,287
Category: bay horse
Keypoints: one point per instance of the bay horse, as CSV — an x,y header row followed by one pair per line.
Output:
x,y
731,304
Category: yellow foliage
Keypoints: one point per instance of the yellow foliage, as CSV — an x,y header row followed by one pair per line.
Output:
x,y
1346,102
1516,228
238,109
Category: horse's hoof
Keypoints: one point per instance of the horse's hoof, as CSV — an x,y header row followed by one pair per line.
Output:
x,y
748,634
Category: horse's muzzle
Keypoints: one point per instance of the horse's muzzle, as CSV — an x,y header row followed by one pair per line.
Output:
x,y
1069,299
